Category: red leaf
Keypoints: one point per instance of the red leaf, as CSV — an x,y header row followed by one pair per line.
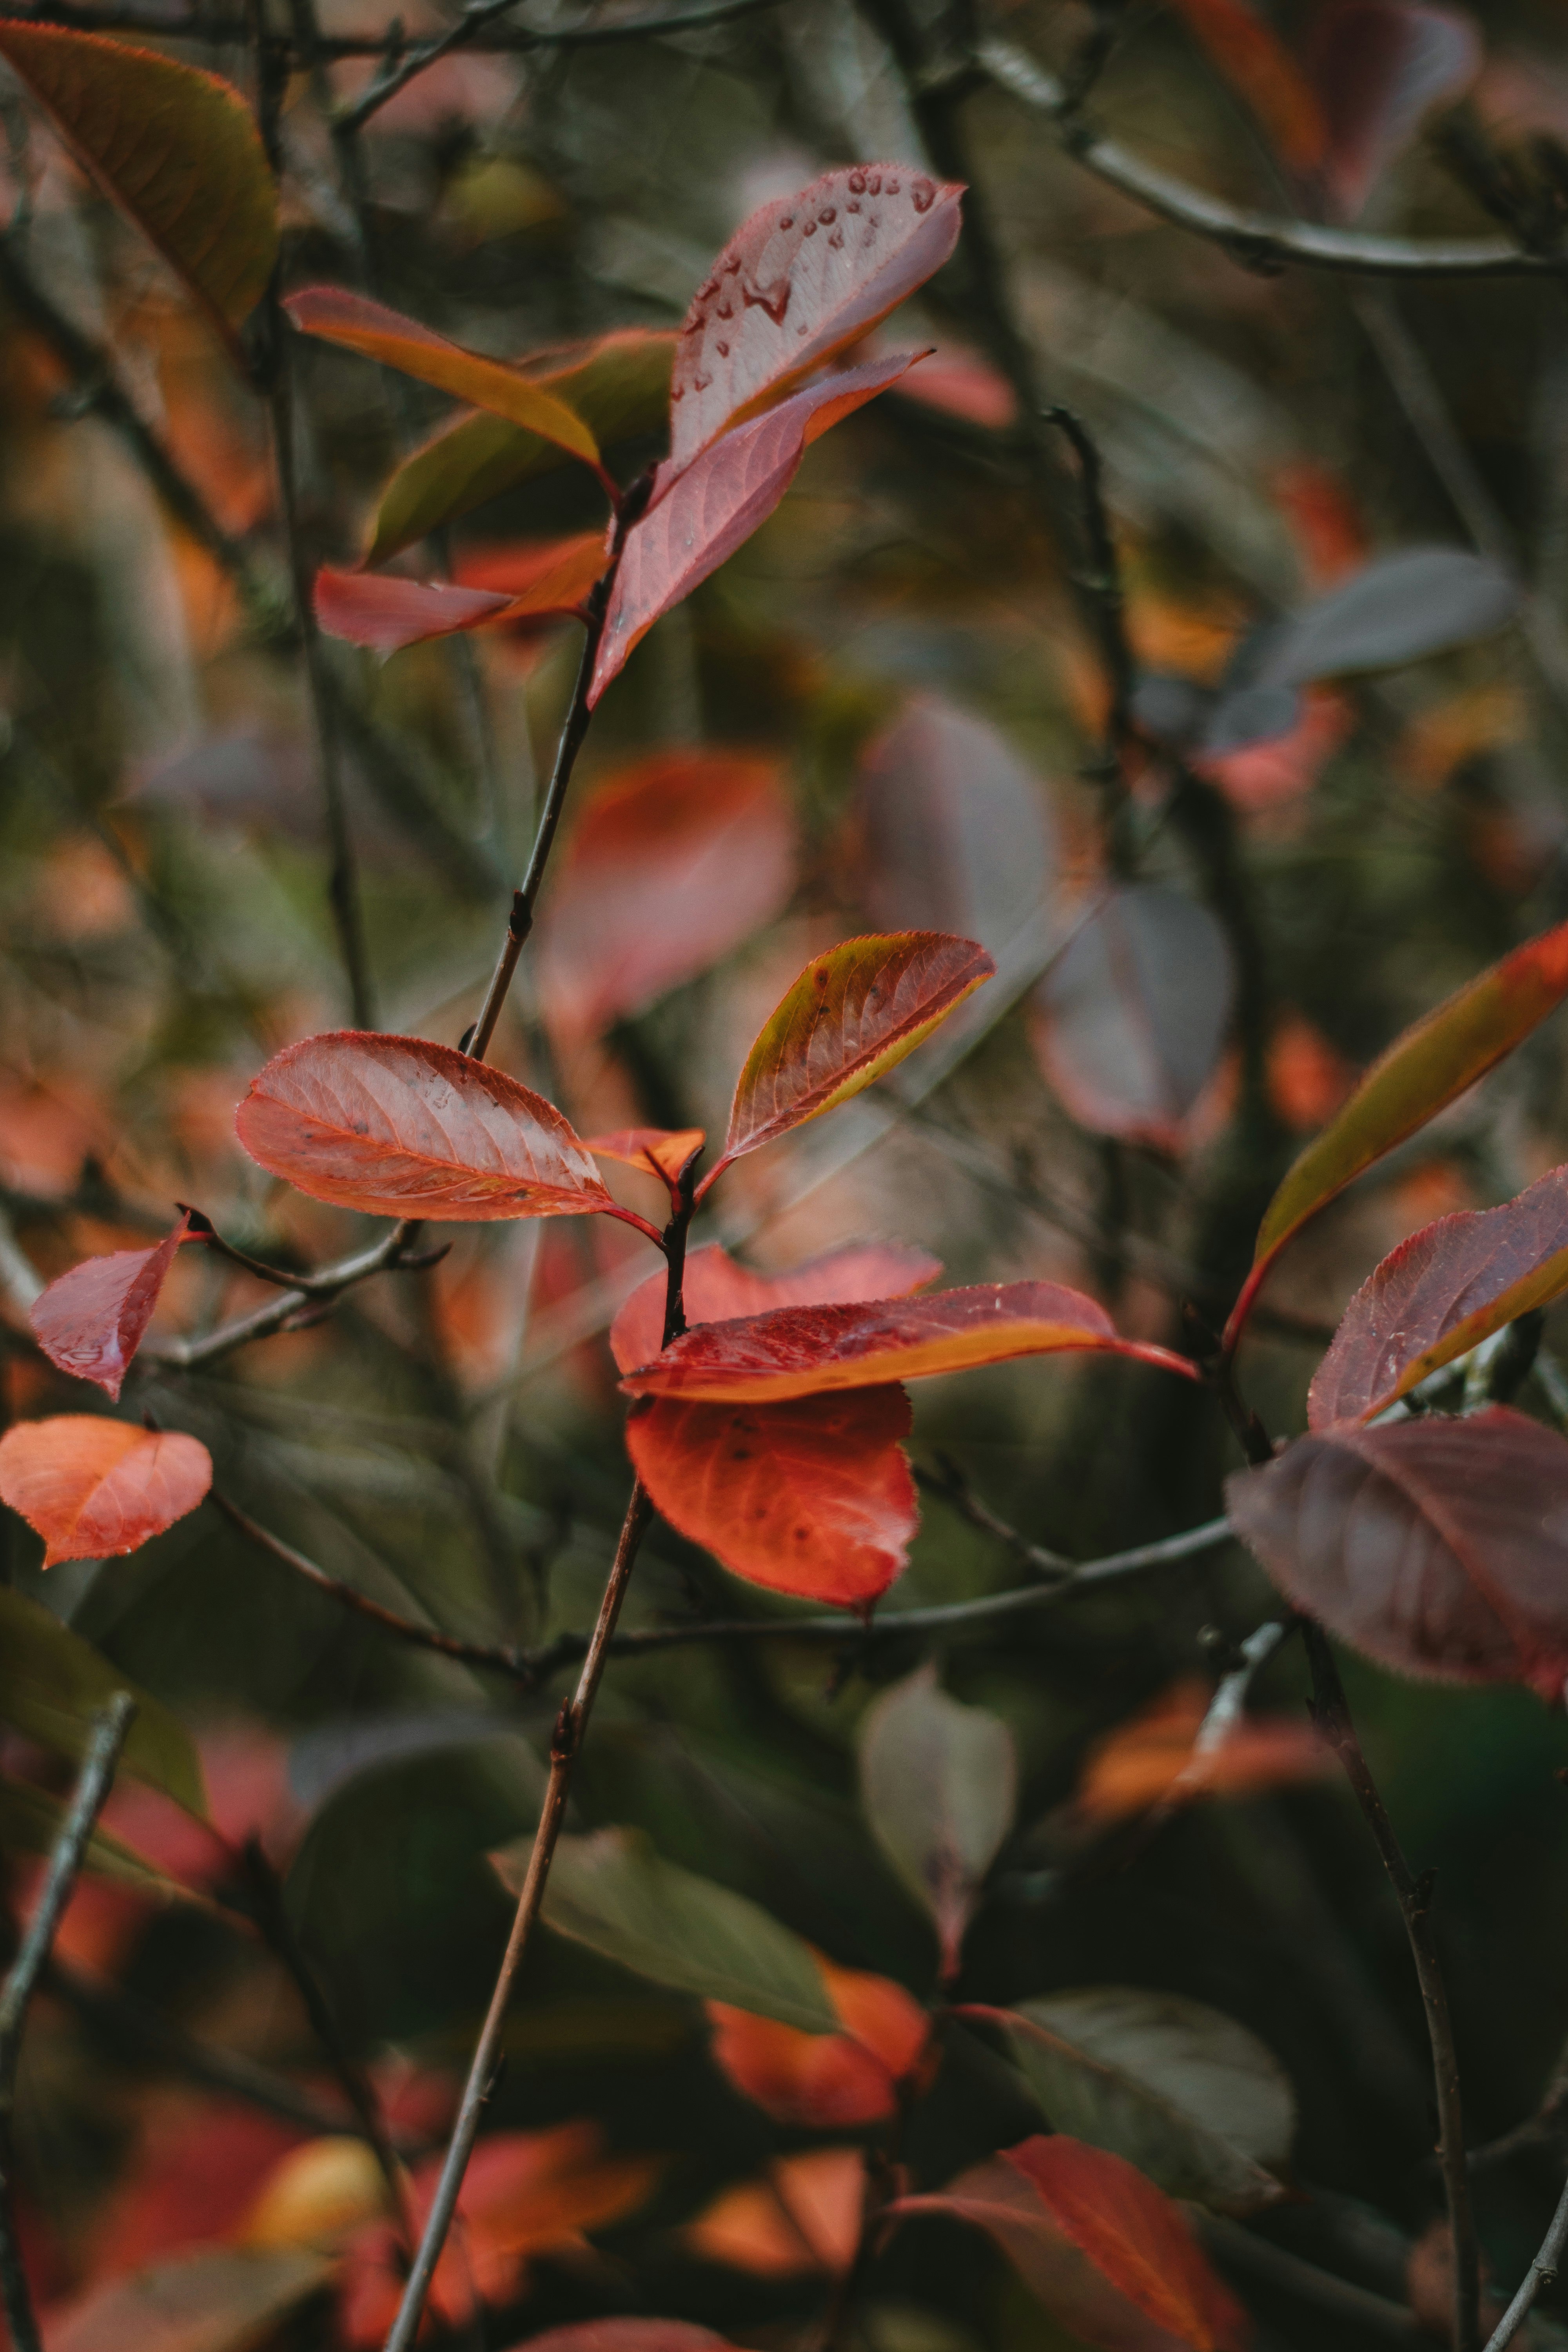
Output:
x,y
853,1014
1108,2254
798,1351
826,2082
675,861
801,280
1378,66
1439,1548
1438,1294
93,1488
536,572
1255,63
397,1126
359,325
90,1321
813,1497
625,2336
717,1290
700,516
961,383
803,2214
385,612
1132,1018
663,1151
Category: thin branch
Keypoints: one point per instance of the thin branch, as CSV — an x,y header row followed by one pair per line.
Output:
x,y
275,1313
1543,2271
954,1489
1303,2281
1257,240
111,1731
571,1725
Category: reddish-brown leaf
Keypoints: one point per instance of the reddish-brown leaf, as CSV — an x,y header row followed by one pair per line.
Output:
x,y
1133,1016
385,612
1109,2255
700,516
1378,66
177,148
663,1151
853,1014
625,2336
1439,1548
813,1497
801,280
1254,61
93,1488
397,1126
1438,1294
1423,1071
360,325
799,1351
717,1290
90,1321
803,2214
676,860
536,573
826,2081
1155,1759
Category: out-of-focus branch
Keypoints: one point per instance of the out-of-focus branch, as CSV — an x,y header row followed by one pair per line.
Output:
x,y
104,1749
319,1289
1274,2266
1543,2271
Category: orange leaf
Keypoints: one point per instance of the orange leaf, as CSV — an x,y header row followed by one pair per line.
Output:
x,y
826,2080
812,1497
93,1488
803,2214
385,612
663,1151
1152,1758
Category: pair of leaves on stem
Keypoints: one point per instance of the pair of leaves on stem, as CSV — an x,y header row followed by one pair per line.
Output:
x,y
795,288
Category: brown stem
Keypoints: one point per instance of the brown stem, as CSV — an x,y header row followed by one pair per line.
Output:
x,y
110,1734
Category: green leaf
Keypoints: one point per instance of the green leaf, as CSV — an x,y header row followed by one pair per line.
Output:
x,y
51,1685
1193,2099
619,386
938,1782
613,1893
217,2299
1423,1071
31,1820
176,149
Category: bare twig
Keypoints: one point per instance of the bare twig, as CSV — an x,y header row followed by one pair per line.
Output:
x,y
275,1313
950,1484
110,1734
1303,2281
1543,2271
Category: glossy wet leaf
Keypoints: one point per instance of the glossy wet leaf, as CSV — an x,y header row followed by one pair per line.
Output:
x,y
385,612
398,1127
1401,608
1438,1547
215,2299
939,1787
1378,67
1438,1294
1432,1062
619,386
1111,2259
718,1289
956,831
799,1351
613,1893
812,1496
802,279
357,324
826,2082
90,1321
94,1487
676,861
1130,1021
1255,62
854,1014
52,1684
699,516
1197,2103
177,150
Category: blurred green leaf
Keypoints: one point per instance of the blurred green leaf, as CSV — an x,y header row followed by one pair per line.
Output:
x,y
939,1782
52,1683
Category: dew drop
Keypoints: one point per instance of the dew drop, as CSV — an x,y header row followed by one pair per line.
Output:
x,y
701,383
852,208
677,392
809,229
924,195
725,311
722,350
874,182
827,215
788,221
836,240
893,187
857,183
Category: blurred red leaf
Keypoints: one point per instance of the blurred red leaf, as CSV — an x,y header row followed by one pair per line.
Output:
x,y
1131,1018
1256,64
799,281
700,516
195,2168
675,861
1308,1079
799,1351
803,2214
93,1488
1439,1548
397,1126
957,836
385,612
90,1321
826,2080
1438,1294
337,316
717,1290
1153,1759
853,1014
1378,66
813,1497
1108,2254
961,383
625,2336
